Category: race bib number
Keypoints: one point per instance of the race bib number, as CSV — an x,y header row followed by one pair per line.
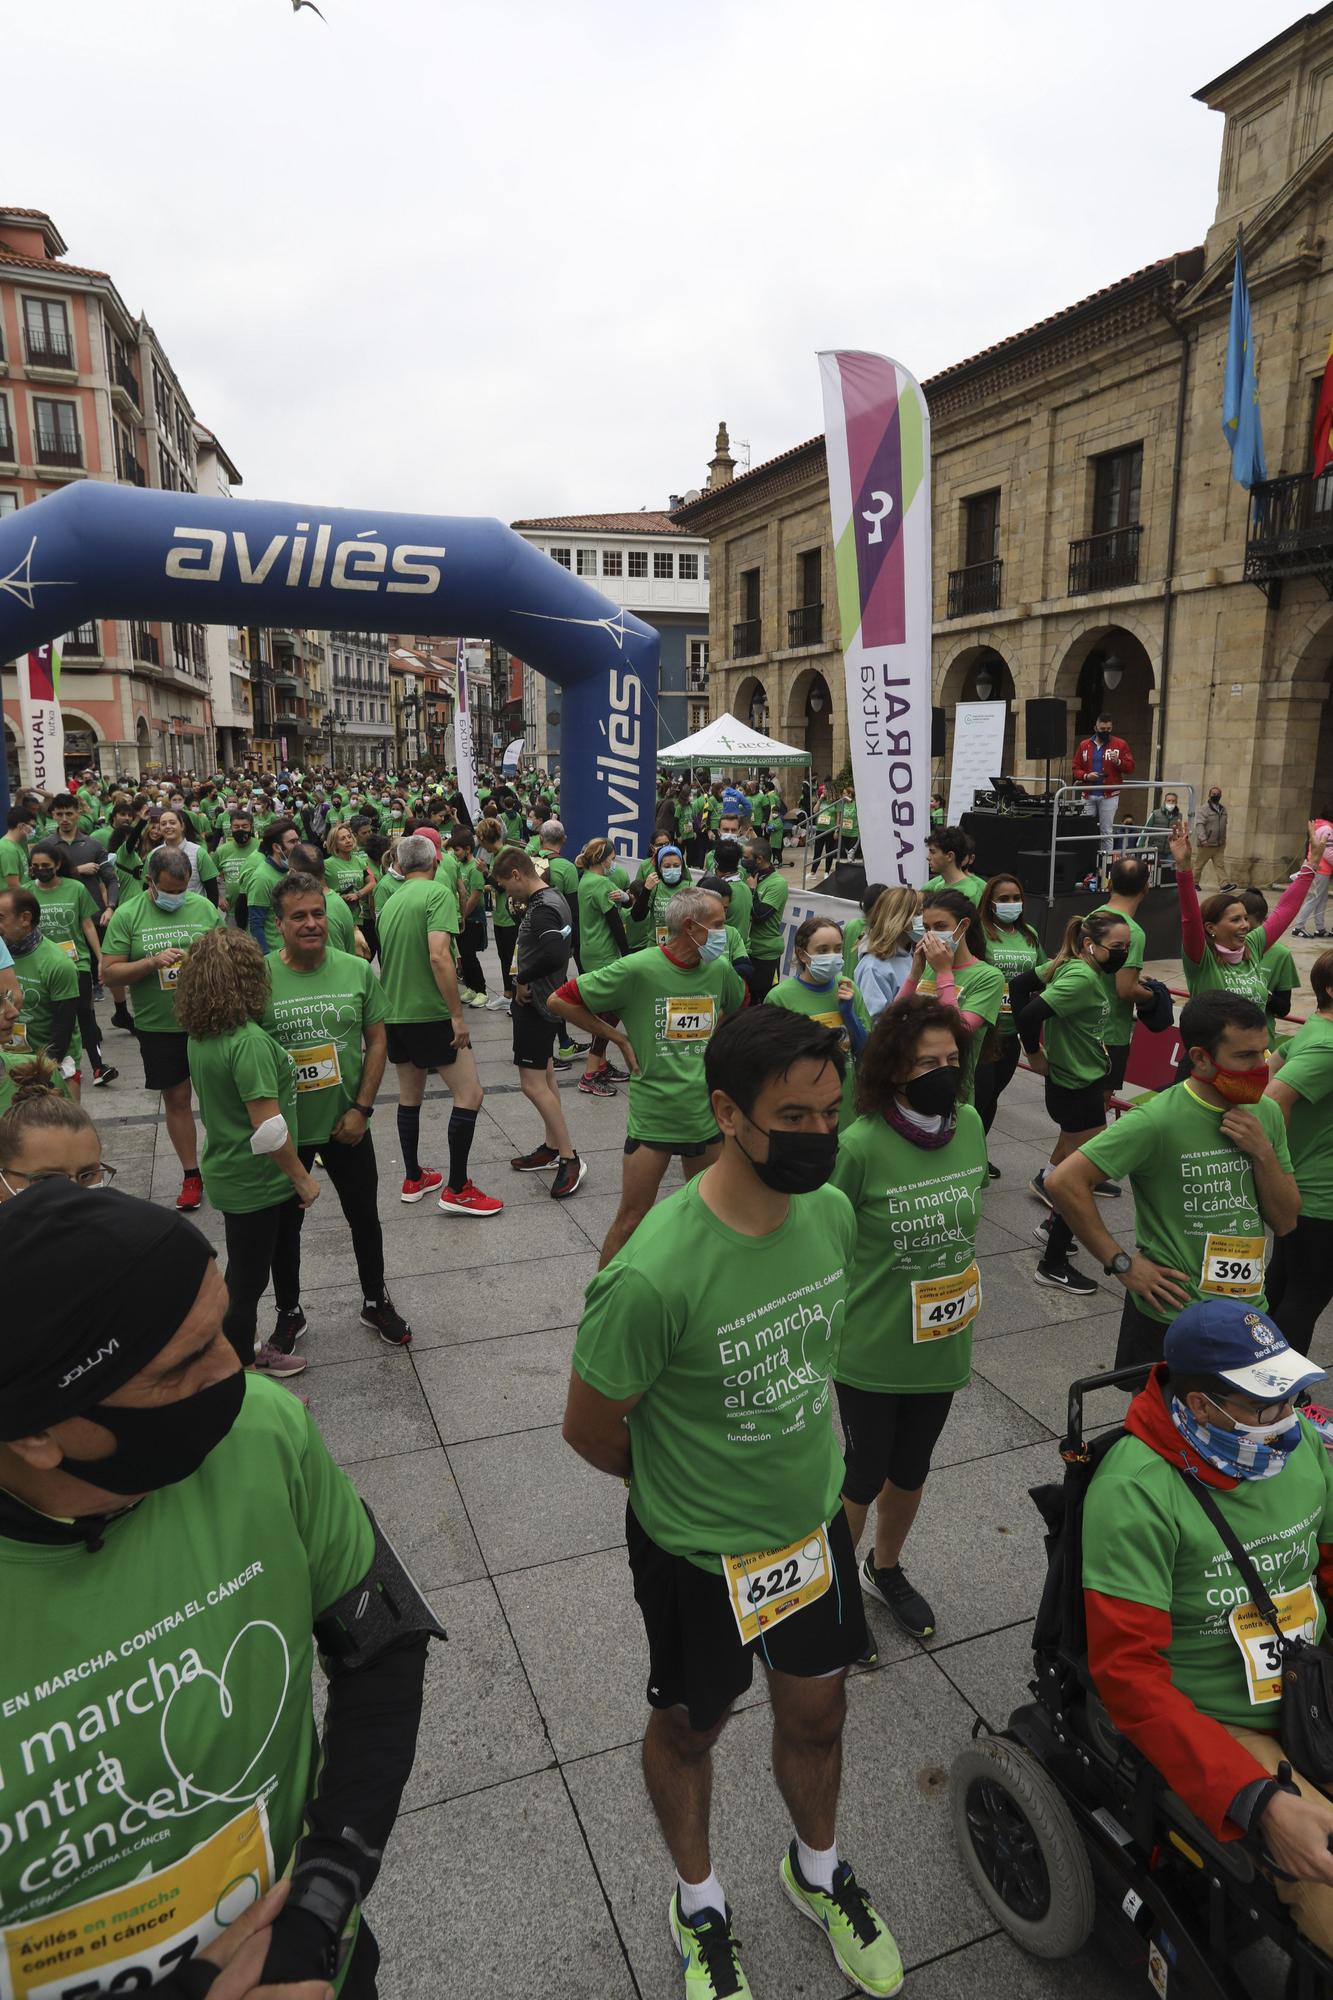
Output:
x,y
1005,1008
317,1067
690,1020
1258,1641
1233,1267
661,934
125,1939
17,1045
67,945
773,1584
168,976
941,1306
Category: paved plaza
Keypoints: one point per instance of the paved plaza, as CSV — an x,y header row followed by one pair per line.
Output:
x,y
526,1860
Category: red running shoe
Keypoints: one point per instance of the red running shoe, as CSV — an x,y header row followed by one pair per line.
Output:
x,y
417,1190
191,1195
470,1201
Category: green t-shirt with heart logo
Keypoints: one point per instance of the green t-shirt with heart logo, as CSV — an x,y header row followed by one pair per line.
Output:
x,y
46,976
139,929
670,1012
230,1072
730,1342
1211,974
65,905
1012,952
318,1017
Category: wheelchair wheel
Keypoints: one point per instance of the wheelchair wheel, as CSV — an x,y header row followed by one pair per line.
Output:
x,y
1022,1848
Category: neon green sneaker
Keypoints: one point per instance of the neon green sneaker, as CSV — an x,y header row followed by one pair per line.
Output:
x,y
859,1937
709,1954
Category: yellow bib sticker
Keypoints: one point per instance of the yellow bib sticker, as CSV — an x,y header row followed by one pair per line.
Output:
x,y
772,1584
1258,1641
317,1067
1005,1008
168,976
1233,1267
691,1020
67,945
662,934
17,1045
941,1306
124,1939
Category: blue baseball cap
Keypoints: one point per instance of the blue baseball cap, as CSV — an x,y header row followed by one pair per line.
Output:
x,y
1239,1345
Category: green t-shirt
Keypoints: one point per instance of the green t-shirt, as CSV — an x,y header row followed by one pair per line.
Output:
x,y
1075,1041
1308,1070
1280,976
318,1018
669,1012
654,924
1210,975
740,909
1012,953
917,1214
597,947
1120,1028
419,908
564,876
184,1660
139,929
65,905
851,937
770,900
1147,1540
501,914
46,976
260,883
737,948
980,990
342,924
230,1071
971,886
388,885
13,861
233,865
820,1003
16,1059
344,874
730,1341
1190,1181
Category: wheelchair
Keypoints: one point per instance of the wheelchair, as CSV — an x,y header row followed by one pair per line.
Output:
x,y
1060,1821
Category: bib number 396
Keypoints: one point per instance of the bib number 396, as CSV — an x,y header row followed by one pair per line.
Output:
x,y
1233,1267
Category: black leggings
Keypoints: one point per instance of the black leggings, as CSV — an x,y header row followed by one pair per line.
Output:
x,y
824,842
994,1078
763,974
471,943
1300,1278
88,1028
890,1436
354,1177
506,937
260,1245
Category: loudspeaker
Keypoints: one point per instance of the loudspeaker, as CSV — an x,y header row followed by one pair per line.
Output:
x,y
937,732
1046,726
848,880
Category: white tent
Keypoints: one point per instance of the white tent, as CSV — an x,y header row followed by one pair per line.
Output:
x,y
727,742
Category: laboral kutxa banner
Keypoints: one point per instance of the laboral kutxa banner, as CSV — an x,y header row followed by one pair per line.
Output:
x,y
877,433
42,731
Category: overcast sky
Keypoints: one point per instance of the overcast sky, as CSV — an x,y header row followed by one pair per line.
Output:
x,y
519,256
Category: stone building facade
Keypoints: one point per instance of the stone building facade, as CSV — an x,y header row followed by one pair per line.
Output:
x,y
1090,544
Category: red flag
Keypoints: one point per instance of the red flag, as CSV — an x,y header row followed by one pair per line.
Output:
x,y
1323,418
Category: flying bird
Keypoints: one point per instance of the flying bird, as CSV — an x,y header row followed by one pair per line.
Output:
x,y
297,5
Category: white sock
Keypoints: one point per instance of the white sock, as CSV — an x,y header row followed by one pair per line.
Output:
x,y
817,1864
706,1895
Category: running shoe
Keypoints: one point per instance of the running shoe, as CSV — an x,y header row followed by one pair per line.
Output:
x,y
192,1192
103,1075
571,1050
275,1361
469,1200
569,1178
121,1017
1109,1190
289,1329
562,1063
909,1608
616,1075
1296,929
858,1936
383,1316
1038,1187
1064,1278
709,1954
1043,1228
426,1183
475,999
992,1170
539,1161
99,991
498,1003
597,1083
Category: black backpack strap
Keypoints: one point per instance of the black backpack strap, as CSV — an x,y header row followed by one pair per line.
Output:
x,y
1243,1563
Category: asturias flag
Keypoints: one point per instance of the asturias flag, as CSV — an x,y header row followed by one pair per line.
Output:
x,y
1323,419
1240,389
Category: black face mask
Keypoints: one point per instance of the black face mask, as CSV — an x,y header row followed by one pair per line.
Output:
x,y
798,1162
44,876
161,1446
935,1094
1214,798
1104,735
1115,959
241,839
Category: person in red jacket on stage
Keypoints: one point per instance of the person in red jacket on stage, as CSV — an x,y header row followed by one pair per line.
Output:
x,y
1102,762
1185,1663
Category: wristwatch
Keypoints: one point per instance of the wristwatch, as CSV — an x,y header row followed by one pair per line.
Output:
x,y
1118,1265
368,1111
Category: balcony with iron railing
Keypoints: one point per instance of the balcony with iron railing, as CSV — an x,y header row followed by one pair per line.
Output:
x,y
131,472
48,350
144,646
696,680
805,625
974,589
124,379
1290,532
1104,562
745,639
58,448
82,644
9,451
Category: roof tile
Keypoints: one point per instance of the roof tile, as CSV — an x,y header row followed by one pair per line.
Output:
x,y
642,523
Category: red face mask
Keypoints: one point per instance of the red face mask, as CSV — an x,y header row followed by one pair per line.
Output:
x,y
1240,1086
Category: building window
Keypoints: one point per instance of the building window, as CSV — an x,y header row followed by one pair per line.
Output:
x,y
561,556
613,562
637,563
7,447
9,504
57,432
697,674
664,564
689,568
46,333
1117,479
981,529
705,565
587,562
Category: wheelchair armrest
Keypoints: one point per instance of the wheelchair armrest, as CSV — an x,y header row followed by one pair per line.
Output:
x,y
1233,1857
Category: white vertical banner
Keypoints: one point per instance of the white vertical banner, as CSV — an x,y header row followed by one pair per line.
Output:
x,y
978,750
463,758
877,438
41,731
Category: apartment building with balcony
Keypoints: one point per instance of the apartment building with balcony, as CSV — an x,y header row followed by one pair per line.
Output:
x,y
87,391
655,568
1089,542
357,700
422,673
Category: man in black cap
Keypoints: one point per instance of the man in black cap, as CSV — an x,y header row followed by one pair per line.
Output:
x,y
174,1541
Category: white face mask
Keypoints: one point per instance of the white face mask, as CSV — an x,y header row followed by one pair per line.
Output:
x,y
824,966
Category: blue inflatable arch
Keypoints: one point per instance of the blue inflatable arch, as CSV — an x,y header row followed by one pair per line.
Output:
x,y
102,551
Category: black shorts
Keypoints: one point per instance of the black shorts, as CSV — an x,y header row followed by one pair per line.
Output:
x,y
534,1036
1119,1054
428,1044
692,1149
696,1659
166,1059
889,1435
1081,1110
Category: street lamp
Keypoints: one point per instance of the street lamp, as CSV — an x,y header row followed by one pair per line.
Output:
x,y
339,723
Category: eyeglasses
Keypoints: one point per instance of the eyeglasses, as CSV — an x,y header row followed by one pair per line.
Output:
x,y
1255,1413
101,1175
